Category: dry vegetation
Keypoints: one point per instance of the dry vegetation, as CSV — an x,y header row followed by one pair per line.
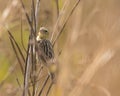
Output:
x,y
89,63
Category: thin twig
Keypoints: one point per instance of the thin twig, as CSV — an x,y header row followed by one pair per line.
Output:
x,y
30,24
44,85
38,74
16,45
34,18
37,12
57,7
13,40
10,71
58,19
20,65
28,61
27,73
13,46
59,53
18,82
31,46
33,52
58,35
49,88
26,77
22,35
27,16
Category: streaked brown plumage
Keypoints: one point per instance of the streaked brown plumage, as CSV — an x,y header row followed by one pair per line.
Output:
x,y
46,55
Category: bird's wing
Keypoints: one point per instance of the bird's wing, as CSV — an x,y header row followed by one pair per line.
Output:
x,y
46,49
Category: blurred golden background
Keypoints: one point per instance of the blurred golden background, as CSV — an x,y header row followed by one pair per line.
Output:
x,y
89,64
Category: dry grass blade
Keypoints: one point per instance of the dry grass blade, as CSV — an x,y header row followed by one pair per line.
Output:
x,y
24,72
29,58
27,74
59,33
58,19
101,59
40,93
33,49
57,7
37,83
101,88
10,71
31,52
27,16
34,18
18,82
33,77
49,88
27,71
22,36
37,12
8,10
16,45
14,49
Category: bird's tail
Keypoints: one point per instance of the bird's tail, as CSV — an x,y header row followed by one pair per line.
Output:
x,y
52,69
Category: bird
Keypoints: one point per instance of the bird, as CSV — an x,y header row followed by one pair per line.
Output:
x,y
46,55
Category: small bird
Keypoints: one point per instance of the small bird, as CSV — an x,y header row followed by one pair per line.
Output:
x,y
46,55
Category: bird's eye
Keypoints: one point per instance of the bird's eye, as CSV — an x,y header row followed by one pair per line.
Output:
x,y
45,31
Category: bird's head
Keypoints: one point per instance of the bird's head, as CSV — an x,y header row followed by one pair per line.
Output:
x,y
42,34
